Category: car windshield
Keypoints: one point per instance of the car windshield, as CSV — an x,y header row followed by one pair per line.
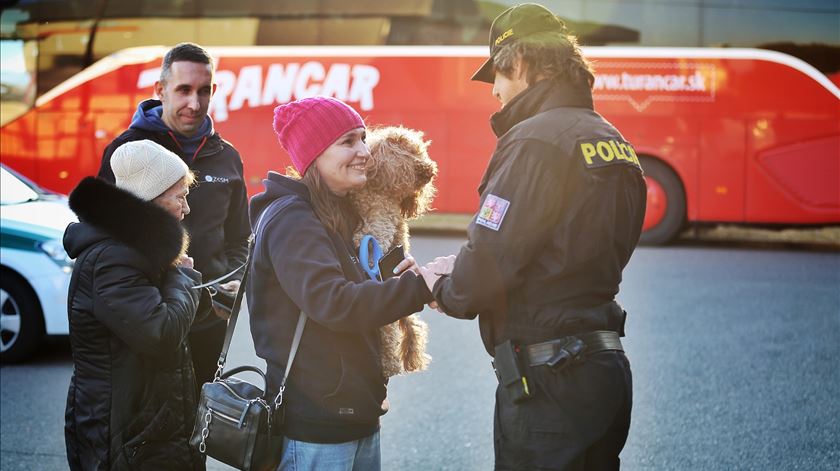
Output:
x,y
14,190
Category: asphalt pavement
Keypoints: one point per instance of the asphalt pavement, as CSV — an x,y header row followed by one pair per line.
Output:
x,y
734,354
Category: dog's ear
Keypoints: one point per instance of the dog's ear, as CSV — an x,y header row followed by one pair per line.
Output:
x,y
424,171
409,206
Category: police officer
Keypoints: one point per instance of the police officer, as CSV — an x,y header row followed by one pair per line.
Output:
x,y
562,203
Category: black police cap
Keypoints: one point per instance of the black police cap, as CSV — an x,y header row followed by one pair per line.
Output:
x,y
512,24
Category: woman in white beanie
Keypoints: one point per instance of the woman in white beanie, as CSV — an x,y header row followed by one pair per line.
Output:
x,y
131,402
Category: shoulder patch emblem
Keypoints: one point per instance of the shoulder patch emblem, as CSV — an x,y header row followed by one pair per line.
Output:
x,y
492,212
601,152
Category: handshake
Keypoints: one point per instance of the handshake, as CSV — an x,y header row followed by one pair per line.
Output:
x,y
433,270
438,267
430,272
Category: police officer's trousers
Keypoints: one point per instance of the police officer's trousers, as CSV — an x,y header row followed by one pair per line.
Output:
x,y
577,418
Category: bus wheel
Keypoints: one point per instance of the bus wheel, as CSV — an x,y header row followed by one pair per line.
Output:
x,y
665,212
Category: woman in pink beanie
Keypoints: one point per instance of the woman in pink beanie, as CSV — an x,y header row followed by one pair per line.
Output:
x,y
304,261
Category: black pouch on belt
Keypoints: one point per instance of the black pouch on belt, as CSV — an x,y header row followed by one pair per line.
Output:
x,y
509,371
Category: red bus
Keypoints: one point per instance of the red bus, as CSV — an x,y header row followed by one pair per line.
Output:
x,y
724,134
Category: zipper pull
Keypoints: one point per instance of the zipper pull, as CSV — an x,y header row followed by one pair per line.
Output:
x,y
244,413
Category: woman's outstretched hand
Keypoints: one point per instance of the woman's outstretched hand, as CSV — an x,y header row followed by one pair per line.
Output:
x,y
408,263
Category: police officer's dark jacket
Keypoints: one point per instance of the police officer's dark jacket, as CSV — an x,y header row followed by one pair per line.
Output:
x,y
562,203
218,219
335,391
131,402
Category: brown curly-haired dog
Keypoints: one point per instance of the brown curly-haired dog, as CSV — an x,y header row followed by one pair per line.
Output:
x,y
399,188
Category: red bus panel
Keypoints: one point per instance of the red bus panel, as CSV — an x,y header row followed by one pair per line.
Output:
x,y
753,136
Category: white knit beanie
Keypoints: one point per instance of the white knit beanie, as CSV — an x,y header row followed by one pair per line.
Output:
x,y
146,168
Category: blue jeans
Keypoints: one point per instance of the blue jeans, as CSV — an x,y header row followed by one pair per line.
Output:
x,y
358,455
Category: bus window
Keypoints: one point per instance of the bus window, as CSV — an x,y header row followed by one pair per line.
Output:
x,y
807,31
17,86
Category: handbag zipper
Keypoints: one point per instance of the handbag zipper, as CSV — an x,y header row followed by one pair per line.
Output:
x,y
233,392
247,402
228,418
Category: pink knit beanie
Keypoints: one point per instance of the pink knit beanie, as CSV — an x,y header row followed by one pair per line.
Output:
x,y
306,127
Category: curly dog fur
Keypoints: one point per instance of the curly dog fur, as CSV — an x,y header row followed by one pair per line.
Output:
x,y
399,188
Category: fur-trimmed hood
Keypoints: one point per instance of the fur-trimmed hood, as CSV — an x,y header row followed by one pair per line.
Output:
x,y
106,211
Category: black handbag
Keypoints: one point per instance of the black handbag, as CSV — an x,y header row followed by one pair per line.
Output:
x,y
236,423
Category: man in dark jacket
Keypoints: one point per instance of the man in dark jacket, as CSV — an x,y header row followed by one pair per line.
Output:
x,y
218,224
562,203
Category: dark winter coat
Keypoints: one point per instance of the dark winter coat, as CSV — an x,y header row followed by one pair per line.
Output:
x,y
562,204
336,391
131,402
218,219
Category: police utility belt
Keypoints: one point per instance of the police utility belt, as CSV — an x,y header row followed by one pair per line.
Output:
x,y
512,361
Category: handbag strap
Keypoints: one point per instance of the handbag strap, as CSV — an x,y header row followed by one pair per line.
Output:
x,y
234,314
301,323
223,277
237,300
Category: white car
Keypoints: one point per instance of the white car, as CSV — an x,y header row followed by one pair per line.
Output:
x,y
34,268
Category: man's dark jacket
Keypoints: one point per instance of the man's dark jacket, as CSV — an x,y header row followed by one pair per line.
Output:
x,y
218,219
131,402
336,391
556,225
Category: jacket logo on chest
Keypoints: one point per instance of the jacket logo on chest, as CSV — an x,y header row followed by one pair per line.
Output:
x,y
212,179
602,152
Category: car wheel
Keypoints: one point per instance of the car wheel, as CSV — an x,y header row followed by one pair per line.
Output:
x,y
665,213
21,320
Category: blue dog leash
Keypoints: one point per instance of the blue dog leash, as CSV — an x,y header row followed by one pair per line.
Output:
x,y
370,252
